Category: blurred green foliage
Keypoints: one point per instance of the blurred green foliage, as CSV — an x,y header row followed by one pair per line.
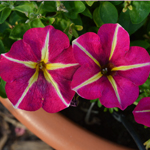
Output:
x,y
74,18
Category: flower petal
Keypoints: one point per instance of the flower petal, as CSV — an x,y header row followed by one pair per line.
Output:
x,y
58,92
20,92
11,70
49,37
64,64
119,92
86,81
87,48
52,96
21,51
115,40
135,65
142,112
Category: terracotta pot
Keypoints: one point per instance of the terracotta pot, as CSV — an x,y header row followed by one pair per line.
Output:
x,y
59,132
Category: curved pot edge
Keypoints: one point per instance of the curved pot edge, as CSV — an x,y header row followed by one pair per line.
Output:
x,y
59,132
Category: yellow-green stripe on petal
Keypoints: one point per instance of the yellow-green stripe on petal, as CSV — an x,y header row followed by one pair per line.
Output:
x,y
90,80
86,52
29,64
32,80
54,66
45,52
114,85
49,78
124,68
114,42
141,111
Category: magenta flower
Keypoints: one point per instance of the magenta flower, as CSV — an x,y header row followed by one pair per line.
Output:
x,y
110,69
142,112
38,70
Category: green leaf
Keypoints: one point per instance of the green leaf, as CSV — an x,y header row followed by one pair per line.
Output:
x,y
36,23
116,2
78,27
48,20
15,18
4,26
125,22
89,3
49,6
108,13
18,31
2,7
87,13
105,13
2,48
26,8
75,33
63,23
99,103
2,88
73,8
139,12
97,18
77,21
4,14
141,43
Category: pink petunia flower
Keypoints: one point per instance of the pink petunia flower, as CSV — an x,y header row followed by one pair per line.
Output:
x,y
110,69
38,70
142,112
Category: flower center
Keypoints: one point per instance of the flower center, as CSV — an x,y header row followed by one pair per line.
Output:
x,y
41,65
106,69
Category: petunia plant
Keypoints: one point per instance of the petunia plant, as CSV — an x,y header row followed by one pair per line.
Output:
x,y
142,112
110,69
54,53
38,70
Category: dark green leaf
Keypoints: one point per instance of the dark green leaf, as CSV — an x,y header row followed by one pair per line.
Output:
x,y
105,13
2,7
2,48
116,2
124,20
97,18
87,13
18,31
48,21
4,14
36,23
49,6
3,27
26,8
2,88
75,33
73,8
63,23
139,12
108,13
141,43
77,21
15,18
89,3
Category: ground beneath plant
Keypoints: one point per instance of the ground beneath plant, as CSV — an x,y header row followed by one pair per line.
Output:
x,y
15,136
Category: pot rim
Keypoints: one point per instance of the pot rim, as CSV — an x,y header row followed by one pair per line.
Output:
x,y
59,132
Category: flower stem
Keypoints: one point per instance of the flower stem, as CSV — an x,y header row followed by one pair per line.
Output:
x,y
121,118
